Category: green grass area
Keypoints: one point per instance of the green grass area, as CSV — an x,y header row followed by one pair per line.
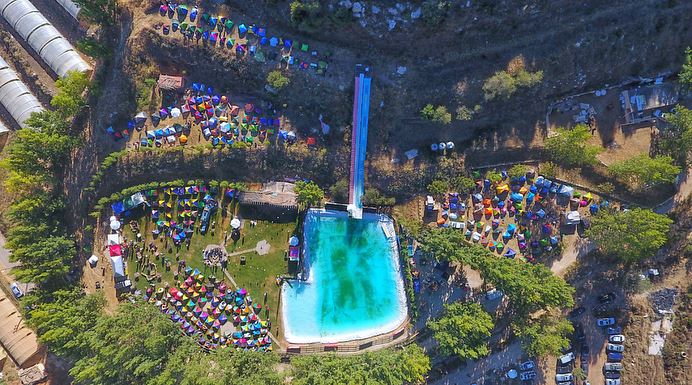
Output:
x,y
258,273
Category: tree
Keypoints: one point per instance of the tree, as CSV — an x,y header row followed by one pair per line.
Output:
x,y
493,176
278,80
45,262
437,114
130,347
685,76
309,193
102,12
189,365
373,197
500,85
438,187
305,14
69,100
463,330
643,170
631,235
435,11
548,335
463,184
339,191
59,323
383,367
569,147
676,138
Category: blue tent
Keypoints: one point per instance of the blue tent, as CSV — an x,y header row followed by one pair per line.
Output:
x,y
540,213
516,197
242,29
510,253
511,228
264,41
554,240
539,181
288,43
593,208
477,197
118,207
273,41
566,191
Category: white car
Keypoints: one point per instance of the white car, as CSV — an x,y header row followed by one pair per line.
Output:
x,y
527,376
567,358
613,366
613,381
616,348
563,377
605,321
617,339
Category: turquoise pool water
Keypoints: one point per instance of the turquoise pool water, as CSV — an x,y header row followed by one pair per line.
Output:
x,y
354,287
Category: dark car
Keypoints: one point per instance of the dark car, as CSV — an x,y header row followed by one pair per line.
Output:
x,y
579,335
606,298
564,369
585,366
614,356
612,375
614,330
576,312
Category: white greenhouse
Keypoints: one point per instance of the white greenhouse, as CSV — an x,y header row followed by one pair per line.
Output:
x,y
45,40
70,7
15,96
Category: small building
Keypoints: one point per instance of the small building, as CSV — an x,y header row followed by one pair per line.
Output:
x,y
646,103
170,83
15,337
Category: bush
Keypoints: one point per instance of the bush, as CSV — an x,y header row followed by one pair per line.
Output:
x,y
373,197
504,84
643,170
434,11
278,80
463,184
493,176
93,48
569,147
438,187
437,114
339,191
685,76
606,187
517,171
305,14
464,113
548,169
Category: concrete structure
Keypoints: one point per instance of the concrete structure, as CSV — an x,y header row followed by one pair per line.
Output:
x,y
359,140
71,8
646,103
42,37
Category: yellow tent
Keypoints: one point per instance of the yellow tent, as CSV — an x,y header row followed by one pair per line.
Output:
x,y
503,188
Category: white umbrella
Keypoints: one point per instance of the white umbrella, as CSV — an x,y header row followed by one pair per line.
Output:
x,y
293,241
450,145
442,145
115,225
175,112
512,373
235,223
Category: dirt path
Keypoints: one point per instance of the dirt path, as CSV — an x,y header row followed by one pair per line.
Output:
x,y
684,191
575,248
489,367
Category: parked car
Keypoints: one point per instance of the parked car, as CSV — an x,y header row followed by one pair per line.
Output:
x,y
569,357
616,348
585,366
576,312
614,356
566,383
606,298
613,382
613,366
564,369
579,333
527,376
563,377
605,321
614,330
18,293
616,338
612,375
527,365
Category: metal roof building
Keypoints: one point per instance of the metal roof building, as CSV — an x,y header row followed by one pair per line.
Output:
x,y
71,8
15,337
15,96
43,38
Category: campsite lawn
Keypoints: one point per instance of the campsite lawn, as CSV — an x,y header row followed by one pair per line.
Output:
x,y
258,273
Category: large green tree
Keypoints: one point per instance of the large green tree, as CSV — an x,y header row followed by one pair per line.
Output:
x,y
69,99
60,323
642,170
102,12
189,365
568,147
45,262
676,136
309,193
631,235
547,335
685,75
384,367
131,346
463,330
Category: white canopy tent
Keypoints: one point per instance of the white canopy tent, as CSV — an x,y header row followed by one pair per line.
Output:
x,y
15,96
43,38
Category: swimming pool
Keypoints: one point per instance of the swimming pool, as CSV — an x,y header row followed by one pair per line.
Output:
x,y
353,289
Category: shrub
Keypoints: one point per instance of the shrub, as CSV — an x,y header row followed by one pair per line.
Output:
x,y
548,169
464,113
606,187
434,11
437,114
643,170
504,84
569,147
339,191
305,14
438,187
517,171
277,79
